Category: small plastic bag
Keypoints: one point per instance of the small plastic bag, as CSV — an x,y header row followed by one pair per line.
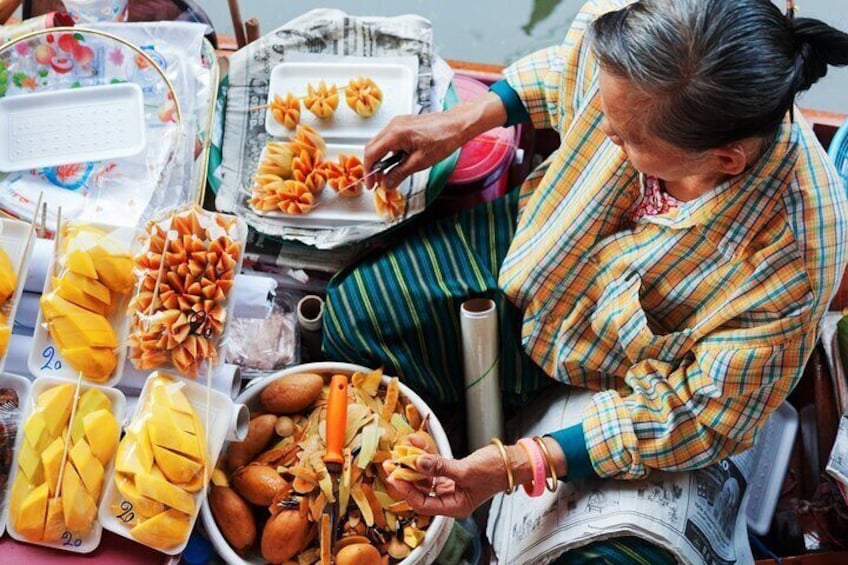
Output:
x,y
264,346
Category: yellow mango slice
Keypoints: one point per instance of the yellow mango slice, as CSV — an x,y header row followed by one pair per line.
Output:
x,y
35,431
54,525
165,392
5,335
76,296
115,271
95,363
55,406
102,433
32,514
51,459
179,420
19,492
90,401
54,306
91,287
135,455
29,462
175,467
165,530
166,493
88,467
78,506
79,262
143,506
88,329
196,483
163,435
7,277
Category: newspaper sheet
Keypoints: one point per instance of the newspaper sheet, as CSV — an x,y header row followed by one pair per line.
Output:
x,y
698,516
326,32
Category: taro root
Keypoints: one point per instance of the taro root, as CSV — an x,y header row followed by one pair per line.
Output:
x,y
291,394
285,535
258,484
233,516
259,433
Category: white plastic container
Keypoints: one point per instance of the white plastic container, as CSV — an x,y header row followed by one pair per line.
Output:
x,y
45,360
13,240
69,542
440,527
397,82
22,388
226,418
49,129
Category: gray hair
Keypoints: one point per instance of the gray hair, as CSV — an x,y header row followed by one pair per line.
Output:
x,y
717,71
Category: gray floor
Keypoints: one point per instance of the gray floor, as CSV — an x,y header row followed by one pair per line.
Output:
x,y
500,31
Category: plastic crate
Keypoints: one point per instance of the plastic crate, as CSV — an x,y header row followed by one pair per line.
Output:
x,y
839,152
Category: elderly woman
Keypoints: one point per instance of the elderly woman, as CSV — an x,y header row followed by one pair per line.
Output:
x,y
675,254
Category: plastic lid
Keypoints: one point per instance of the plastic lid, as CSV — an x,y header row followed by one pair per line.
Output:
x,y
486,153
198,551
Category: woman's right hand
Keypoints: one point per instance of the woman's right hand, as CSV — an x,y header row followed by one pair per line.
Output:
x,y
428,138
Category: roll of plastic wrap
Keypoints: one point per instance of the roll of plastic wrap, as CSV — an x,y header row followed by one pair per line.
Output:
x,y
254,296
16,359
27,312
480,355
41,253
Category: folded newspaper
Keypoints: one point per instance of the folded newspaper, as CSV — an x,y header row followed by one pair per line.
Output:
x,y
698,516
326,32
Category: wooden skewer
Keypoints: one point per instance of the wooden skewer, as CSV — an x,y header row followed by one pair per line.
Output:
x,y
57,240
165,246
20,265
68,438
304,97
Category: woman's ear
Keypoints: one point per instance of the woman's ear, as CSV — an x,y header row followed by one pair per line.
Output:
x,y
731,159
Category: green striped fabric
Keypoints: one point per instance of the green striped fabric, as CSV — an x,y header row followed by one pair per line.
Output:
x,y
400,309
627,550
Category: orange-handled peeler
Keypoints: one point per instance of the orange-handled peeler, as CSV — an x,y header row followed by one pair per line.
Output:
x,y
334,459
336,421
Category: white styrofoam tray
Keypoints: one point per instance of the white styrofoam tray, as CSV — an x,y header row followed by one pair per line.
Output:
x,y
44,357
773,450
330,208
69,541
221,409
48,129
22,387
397,82
13,238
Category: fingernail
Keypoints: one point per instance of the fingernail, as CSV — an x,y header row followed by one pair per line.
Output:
x,y
425,463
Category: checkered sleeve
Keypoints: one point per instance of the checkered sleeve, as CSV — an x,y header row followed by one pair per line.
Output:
x,y
687,417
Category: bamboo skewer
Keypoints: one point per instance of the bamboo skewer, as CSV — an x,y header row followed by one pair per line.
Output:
x,y
68,438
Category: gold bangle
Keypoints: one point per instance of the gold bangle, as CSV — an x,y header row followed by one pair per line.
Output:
x,y
551,466
507,463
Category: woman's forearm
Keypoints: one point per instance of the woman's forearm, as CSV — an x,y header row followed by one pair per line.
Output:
x,y
478,116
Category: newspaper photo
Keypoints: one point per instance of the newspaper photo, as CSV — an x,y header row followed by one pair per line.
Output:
x,y
698,516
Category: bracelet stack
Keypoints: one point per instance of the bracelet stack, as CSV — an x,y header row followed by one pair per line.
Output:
x,y
541,462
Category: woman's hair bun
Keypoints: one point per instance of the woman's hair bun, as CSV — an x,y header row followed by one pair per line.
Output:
x,y
817,47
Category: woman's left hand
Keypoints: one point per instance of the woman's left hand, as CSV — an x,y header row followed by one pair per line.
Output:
x,y
455,487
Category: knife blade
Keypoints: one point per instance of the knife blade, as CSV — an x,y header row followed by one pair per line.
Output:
x,y
334,460
382,166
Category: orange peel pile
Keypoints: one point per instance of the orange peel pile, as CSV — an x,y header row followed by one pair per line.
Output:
x,y
181,319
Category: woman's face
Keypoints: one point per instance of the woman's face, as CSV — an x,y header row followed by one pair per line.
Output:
x,y
624,123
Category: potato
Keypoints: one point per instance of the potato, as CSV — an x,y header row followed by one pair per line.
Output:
x,y
358,554
285,535
259,433
233,516
291,394
258,484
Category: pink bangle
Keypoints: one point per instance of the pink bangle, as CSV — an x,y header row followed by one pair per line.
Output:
x,y
537,460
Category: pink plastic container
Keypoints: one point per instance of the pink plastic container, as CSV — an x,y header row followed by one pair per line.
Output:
x,y
481,172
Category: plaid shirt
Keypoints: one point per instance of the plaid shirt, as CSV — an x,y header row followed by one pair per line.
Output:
x,y
694,325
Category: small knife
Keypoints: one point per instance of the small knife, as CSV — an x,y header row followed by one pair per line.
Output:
x,y
334,460
382,166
